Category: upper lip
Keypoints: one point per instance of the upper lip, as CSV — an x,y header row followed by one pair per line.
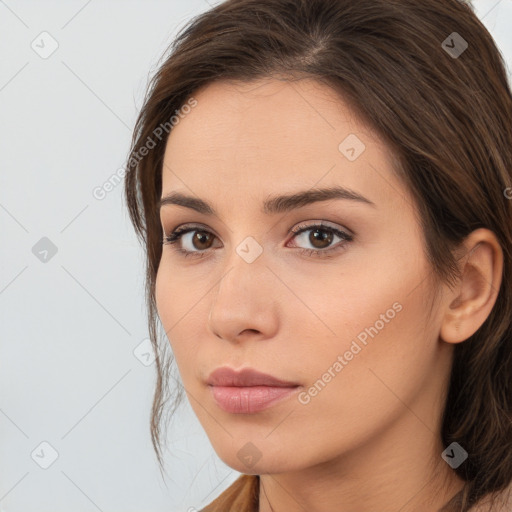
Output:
x,y
246,377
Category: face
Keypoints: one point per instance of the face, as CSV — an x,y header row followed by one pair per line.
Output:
x,y
329,295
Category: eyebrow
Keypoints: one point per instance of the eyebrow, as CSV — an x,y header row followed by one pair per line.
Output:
x,y
274,204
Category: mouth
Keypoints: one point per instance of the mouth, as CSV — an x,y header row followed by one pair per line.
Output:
x,y
247,391
249,399
226,376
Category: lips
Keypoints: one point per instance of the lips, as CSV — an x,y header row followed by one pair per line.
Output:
x,y
248,391
246,377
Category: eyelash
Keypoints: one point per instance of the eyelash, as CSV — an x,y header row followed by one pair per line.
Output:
x,y
174,237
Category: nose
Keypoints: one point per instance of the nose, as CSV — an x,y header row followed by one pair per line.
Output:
x,y
244,302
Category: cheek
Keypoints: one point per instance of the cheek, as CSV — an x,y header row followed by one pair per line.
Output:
x,y
168,299
181,311
162,295
173,295
364,300
376,324
355,400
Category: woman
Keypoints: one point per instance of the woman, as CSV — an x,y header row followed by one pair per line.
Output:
x,y
323,189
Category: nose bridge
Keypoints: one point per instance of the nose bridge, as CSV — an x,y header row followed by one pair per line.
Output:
x,y
244,272
241,297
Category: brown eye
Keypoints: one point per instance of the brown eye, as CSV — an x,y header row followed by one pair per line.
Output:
x,y
191,241
321,238
201,240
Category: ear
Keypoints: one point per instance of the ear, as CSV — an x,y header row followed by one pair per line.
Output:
x,y
470,302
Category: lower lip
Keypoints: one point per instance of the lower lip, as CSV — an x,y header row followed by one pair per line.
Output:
x,y
250,399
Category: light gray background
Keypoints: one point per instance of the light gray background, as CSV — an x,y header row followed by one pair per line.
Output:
x,y
69,326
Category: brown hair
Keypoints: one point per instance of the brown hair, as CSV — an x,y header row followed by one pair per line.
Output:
x,y
447,118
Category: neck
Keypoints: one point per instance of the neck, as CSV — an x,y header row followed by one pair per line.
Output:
x,y
387,476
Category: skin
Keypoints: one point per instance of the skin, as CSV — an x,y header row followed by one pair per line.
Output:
x,y
369,440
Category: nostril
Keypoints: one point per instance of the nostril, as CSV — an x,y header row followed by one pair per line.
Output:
x,y
249,331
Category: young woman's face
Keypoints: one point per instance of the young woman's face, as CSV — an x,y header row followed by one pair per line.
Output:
x,y
347,325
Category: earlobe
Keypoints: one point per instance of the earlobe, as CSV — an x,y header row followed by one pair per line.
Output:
x,y
470,302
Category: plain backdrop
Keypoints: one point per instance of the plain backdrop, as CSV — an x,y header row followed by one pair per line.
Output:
x,y
76,381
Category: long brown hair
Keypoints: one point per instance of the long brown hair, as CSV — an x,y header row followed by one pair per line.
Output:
x,y
428,77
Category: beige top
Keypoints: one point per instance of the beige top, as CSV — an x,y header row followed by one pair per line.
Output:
x,y
237,491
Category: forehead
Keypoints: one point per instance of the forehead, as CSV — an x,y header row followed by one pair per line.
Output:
x,y
270,135
250,115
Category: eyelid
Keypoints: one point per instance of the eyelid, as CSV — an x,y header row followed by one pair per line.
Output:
x,y
320,223
192,225
292,231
